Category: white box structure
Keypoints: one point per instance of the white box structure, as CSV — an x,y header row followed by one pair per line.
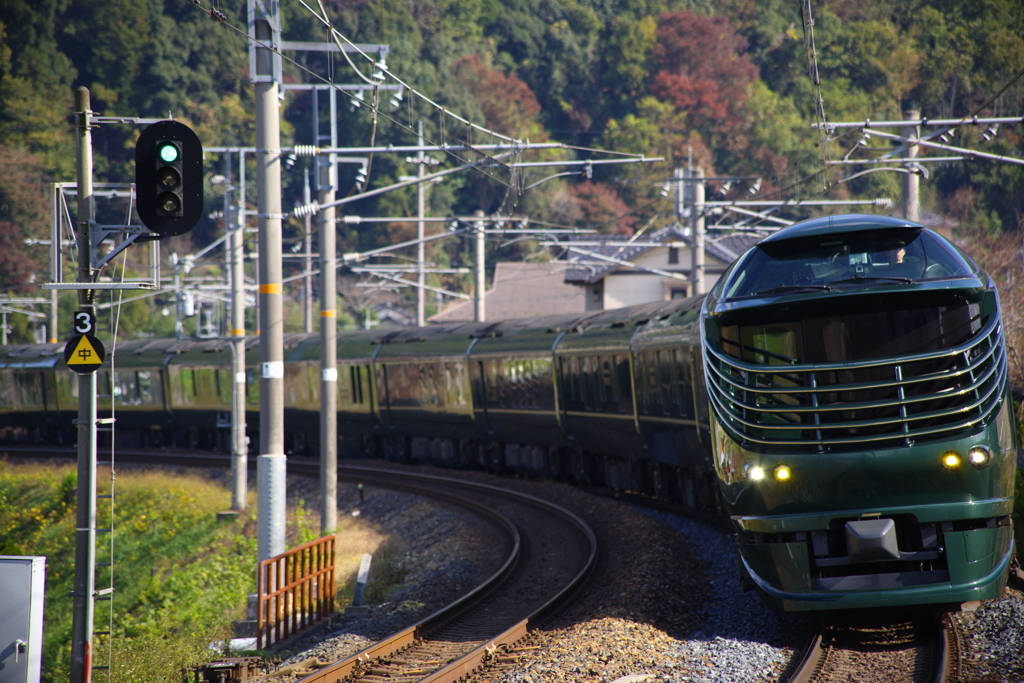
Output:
x,y
22,580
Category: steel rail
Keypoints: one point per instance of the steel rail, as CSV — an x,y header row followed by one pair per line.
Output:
x,y
812,664
460,667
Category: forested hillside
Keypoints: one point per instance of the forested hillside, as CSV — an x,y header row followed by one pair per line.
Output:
x,y
724,83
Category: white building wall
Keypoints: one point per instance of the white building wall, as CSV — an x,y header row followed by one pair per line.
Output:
x,y
631,289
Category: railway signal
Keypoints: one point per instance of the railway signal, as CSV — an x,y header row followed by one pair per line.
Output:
x,y
169,178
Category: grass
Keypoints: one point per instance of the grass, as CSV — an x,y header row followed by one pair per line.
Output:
x,y
181,576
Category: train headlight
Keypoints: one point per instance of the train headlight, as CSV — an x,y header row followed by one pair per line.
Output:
x,y
979,456
755,472
951,460
782,472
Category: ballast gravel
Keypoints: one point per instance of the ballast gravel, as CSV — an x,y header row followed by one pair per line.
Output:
x,y
994,639
666,604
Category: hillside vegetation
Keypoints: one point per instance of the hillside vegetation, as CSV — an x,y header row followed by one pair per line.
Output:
x,y
180,575
724,84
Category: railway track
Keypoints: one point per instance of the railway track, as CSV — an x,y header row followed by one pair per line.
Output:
x,y
554,551
550,553
920,650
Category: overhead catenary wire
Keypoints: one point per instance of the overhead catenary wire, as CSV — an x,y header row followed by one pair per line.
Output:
x,y
220,17
819,101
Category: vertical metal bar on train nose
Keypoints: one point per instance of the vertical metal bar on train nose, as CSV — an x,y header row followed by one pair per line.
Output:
x,y
901,394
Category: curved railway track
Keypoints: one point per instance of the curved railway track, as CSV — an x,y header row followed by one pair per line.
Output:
x,y
550,553
554,551
920,650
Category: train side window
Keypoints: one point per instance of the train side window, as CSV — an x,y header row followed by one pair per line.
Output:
x,y
7,389
621,364
640,373
30,389
587,383
224,385
126,388
501,388
683,388
188,385
455,384
653,383
313,376
252,387
489,371
350,391
144,381
575,394
670,396
204,385
398,385
543,387
611,388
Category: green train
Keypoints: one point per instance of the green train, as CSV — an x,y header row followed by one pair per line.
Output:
x,y
862,425
841,395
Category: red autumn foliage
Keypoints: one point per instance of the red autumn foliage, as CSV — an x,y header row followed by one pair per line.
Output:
x,y
601,206
699,65
508,103
15,267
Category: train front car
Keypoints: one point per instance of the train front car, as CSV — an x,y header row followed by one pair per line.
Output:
x,y
862,427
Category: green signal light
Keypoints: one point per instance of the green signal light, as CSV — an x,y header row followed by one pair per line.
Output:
x,y
168,153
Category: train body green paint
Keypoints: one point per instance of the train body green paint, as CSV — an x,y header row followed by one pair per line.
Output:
x,y
862,428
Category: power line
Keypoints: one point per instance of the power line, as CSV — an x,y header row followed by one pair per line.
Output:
x,y
222,18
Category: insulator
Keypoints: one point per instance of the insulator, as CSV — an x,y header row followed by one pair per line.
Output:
x,y
305,150
306,209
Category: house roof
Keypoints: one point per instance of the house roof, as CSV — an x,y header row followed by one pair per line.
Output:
x,y
524,290
725,250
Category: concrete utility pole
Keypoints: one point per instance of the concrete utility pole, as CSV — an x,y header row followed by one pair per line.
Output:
x,y
421,276
271,462
679,190
326,180
307,273
696,188
236,262
85,513
51,327
911,181
479,270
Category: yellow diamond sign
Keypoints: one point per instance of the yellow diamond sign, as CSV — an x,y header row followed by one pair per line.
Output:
x,y
84,353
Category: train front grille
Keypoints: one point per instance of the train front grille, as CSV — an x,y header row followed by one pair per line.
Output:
x,y
832,406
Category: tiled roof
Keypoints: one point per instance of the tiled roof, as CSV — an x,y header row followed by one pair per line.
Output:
x,y
524,290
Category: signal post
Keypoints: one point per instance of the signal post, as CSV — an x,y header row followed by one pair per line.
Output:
x,y
83,594
169,185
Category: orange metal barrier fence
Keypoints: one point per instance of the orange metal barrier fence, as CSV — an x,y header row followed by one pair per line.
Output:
x,y
296,590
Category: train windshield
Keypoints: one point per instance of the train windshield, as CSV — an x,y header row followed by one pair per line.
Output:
x,y
833,262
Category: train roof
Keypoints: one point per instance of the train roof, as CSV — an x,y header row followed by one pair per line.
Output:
x,y
836,225
31,355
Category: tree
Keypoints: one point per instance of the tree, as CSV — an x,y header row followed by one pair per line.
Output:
x,y
506,101
602,208
700,67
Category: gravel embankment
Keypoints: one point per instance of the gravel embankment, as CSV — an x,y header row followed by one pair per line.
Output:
x,y
444,552
995,639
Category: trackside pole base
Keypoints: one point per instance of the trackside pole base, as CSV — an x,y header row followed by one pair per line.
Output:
x,y
270,482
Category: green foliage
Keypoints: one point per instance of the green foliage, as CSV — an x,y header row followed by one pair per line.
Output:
x,y
725,83
180,576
